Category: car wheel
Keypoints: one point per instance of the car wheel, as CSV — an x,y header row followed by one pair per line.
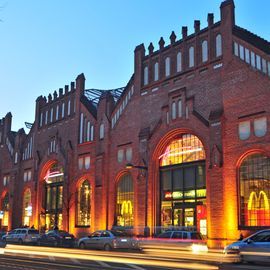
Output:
x,y
107,247
20,242
82,245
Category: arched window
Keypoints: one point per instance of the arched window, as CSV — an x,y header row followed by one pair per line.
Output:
x,y
254,174
167,66
204,51
5,208
179,62
191,56
101,131
84,204
156,71
145,76
173,110
186,148
27,208
125,201
218,45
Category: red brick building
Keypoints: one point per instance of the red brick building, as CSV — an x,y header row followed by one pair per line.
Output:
x,y
193,120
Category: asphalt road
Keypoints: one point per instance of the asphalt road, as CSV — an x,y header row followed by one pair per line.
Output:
x,y
41,258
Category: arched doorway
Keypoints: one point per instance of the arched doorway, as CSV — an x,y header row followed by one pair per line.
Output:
x,y
53,197
183,184
254,184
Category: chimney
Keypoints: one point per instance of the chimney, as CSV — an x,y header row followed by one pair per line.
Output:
x,y
66,89
227,12
184,32
210,19
197,26
72,86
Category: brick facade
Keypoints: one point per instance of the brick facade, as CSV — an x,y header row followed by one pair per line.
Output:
x,y
216,96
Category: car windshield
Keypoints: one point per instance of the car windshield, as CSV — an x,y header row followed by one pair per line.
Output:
x,y
33,232
120,233
196,235
63,233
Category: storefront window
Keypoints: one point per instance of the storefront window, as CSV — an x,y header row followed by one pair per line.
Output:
x,y
54,196
27,208
84,204
125,201
183,184
5,207
254,176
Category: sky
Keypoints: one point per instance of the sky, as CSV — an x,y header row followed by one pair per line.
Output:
x,y
45,44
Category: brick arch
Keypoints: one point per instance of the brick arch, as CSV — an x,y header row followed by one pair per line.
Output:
x,y
120,174
45,167
160,144
249,152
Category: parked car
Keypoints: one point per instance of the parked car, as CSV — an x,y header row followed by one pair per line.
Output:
x,y
22,236
108,240
180,240
2,242
255,248
57,238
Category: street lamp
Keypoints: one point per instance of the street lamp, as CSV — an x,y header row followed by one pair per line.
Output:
x,y
145,168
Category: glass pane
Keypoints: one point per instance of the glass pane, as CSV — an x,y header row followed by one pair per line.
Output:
x,y
260,126
166,214
53,191
166,182
60,197
244,130
200,177
178,179
189,174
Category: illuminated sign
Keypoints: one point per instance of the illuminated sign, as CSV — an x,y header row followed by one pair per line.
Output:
x,y
126,207
187,194
201,192
51,175
1,214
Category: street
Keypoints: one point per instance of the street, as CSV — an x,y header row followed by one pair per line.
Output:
x,y
39,258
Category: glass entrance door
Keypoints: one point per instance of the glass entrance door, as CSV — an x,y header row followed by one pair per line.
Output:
x,y
189,215
184,217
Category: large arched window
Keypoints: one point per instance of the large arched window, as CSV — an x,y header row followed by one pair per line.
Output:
x,y
5,209
27,208
84,204
125,201
254,174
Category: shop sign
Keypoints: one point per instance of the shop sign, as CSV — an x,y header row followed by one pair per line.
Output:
x,y
201,192
189,194
173,195
1,214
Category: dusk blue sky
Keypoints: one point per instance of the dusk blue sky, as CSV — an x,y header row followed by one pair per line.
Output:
x,y
45,44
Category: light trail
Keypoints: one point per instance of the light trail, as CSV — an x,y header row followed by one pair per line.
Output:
x,y
113,257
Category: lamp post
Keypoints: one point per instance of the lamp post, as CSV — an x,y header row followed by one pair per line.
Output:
x,y
145,168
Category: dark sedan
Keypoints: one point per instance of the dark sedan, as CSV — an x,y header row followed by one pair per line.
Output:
x,y
57,238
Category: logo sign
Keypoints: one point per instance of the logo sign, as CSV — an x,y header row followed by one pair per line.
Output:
x,y
1,214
